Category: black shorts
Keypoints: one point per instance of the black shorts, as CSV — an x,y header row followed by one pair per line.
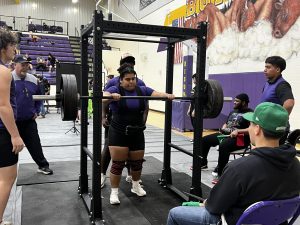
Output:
x,y
7,157
133,142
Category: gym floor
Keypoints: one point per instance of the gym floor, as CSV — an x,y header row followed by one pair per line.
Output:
x,y
53,200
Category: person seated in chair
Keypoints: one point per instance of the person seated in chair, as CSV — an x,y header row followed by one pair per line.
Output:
x,y
41,64
270,172
234,121
52,62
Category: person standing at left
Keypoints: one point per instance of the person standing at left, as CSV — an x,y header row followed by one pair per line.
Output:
x,y
10,141
26,86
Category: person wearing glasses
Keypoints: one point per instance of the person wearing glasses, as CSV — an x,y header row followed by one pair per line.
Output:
x,y
28,110
126,139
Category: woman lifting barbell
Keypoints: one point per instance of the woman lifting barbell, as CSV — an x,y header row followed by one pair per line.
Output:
x,y
126,137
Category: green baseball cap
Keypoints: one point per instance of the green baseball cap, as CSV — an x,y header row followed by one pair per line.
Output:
x,y
270,116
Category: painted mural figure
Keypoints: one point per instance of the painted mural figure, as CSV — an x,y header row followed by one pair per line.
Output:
x,y
250,29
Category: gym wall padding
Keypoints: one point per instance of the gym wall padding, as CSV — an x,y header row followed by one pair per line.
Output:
x,y
232,85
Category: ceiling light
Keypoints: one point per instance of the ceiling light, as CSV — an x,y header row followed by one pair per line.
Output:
x,y
74,1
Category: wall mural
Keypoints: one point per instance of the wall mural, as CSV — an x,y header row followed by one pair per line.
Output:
x,y
145,3
252,29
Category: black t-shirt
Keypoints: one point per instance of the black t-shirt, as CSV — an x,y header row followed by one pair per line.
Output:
x,y
284,92
52,60
193,102
236,119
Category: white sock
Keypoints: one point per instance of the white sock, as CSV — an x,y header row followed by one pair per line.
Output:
x,y
115,190
135,183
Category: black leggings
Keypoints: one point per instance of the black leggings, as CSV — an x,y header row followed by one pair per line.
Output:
x,y
225,147
29,133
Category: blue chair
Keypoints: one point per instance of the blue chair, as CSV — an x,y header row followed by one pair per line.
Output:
x,y
271,212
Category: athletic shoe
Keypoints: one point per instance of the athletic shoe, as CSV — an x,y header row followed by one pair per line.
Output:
x,y
45,170
114,197
103,178
137,189
128,179
6,223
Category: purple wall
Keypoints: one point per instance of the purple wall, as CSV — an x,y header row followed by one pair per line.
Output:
x,y
187,75
232,85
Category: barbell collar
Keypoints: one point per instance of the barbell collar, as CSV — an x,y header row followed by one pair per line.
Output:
x,y
46,97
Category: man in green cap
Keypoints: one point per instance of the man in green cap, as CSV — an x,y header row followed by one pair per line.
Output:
x,y
270,172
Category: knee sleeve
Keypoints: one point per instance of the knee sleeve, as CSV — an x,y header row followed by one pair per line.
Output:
x,y
117,167
136,165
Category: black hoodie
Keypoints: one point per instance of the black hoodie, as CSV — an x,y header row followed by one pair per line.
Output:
x,y
266,174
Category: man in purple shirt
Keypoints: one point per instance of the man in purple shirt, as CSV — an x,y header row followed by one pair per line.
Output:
x,y
26,86
276,88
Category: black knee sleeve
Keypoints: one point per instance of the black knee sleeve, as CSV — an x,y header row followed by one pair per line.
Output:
x,y
136,165
117,167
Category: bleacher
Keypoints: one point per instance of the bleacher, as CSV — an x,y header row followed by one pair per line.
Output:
x,y
58,46
45,28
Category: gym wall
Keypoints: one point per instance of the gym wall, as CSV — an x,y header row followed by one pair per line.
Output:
x,y
63,10
230,52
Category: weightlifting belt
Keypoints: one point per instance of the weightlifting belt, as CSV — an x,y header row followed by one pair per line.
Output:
x,y
129,121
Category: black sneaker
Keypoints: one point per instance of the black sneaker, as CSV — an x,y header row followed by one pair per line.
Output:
x,y
45,170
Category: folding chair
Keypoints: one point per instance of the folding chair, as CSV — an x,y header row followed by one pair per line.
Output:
x,y
241,152
293,137
271,212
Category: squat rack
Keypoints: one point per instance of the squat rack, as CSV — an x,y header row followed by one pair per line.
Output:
x,y
98,28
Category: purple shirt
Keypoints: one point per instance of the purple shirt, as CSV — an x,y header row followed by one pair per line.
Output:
x,y
25,88
131,103
269,92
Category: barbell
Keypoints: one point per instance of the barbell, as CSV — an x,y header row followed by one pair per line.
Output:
x,y
69,98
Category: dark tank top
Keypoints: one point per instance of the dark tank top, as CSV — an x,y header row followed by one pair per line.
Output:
x,y
12,99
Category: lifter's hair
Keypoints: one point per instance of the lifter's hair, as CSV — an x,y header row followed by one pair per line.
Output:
x,y
125,69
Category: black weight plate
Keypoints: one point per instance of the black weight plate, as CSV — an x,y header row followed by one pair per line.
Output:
x,y
215,98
